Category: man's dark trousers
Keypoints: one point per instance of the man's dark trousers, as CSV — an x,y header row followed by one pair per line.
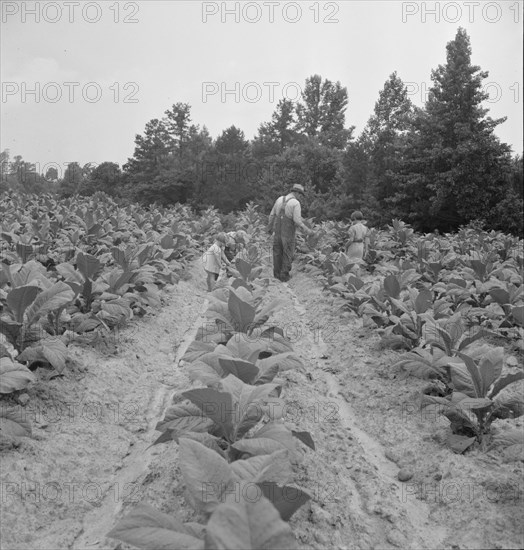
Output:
x,y
283,245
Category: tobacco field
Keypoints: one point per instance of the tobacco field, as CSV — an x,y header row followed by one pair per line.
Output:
x,y
371,404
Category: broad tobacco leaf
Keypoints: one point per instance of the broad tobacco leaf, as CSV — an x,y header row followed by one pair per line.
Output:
x,y
50,350
305,437
263,315
4,352
70,274
115,312
517,313
14,423
490,367
512,407
248,402
20,298
285,361
55,351
147,528
30,272
14,376
267,374
460,422
244,268
423,301
11,330
242,313
198,370
500,295
206,474
241,347
269,438
287,499
508,438
251,522
460,443
258,446
212,358
392,286
88,265
423,363
185,417
503,382
51,299
196,349
274,468
460,378
216,405
244,370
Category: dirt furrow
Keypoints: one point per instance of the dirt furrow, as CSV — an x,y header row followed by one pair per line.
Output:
x,y
99,522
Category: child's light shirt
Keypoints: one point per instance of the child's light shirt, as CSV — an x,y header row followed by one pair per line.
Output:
x,y
212,259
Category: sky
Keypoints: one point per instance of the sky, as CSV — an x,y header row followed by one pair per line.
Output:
x,y
81,79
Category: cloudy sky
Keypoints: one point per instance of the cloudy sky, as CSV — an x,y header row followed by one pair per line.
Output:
x,y
81,79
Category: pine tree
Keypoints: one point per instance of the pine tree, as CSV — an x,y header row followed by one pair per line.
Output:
x,y
383,143
455,168
146,173
273,137
224,178
321,114
164,167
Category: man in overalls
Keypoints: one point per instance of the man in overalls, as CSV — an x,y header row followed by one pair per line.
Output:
x,y
285,216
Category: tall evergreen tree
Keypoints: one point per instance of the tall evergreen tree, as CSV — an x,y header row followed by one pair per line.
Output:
x,y
145,172
383,143
455,168
178,126
231,141
357,184
224,173
321,113
274,136
163,165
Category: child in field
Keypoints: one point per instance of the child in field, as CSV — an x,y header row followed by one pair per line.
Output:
x,y
358,238
230,249
241,240
213,258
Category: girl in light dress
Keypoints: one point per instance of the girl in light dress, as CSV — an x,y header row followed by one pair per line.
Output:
x,y
212,260
358,239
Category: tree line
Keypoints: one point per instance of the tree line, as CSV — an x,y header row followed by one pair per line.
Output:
x,y
436,167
